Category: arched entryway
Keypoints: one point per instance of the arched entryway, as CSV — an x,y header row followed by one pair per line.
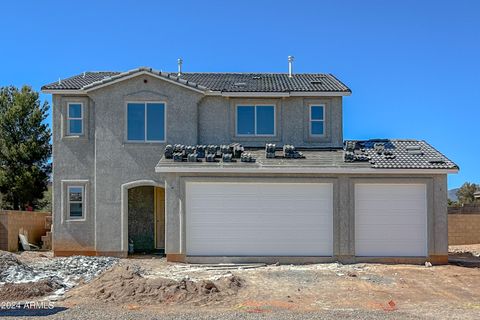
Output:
x,y
144,217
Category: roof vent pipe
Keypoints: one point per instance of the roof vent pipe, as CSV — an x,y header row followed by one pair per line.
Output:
x,y
179,62
290,66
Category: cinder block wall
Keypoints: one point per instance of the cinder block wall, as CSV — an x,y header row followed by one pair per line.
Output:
x,y
463,229
11,222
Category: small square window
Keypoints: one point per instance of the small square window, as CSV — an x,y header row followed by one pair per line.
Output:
x,y
317,120
76,202
75,119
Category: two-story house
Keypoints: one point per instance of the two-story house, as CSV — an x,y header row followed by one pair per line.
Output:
x,y
219,192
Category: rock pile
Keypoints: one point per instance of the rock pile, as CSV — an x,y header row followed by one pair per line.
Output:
x,y
58,274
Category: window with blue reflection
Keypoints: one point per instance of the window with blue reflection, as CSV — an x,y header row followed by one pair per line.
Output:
x,y
155,121
317,121
75,110
265,120
256,120
146,121
246,120
75,119
136,121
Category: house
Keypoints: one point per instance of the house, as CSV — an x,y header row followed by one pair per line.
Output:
x,y
312,197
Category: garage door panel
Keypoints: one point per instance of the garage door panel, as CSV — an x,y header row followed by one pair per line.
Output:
x,y
403,248
387,233
390,220
263,219
395,219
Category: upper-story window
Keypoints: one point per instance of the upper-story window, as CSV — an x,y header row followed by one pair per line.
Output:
x,y
317,120
146,121
75,119
255,120
76,203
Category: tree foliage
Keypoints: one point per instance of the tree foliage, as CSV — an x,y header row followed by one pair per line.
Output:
x,y
25,148
466,193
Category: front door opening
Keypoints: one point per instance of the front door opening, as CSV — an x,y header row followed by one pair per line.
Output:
x,y
146,219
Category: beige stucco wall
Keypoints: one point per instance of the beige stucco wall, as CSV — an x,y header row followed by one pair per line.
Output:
x,y
31,223
463,229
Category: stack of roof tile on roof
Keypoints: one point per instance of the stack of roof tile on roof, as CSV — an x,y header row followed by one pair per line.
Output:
x,y
220,82
397,154
393,154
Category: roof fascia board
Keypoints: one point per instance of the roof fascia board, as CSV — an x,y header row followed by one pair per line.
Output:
x,y
255,94
277,94
64,91
139,73
273,169
319,94
208,93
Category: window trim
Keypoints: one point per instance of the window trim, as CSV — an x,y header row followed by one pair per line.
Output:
x,y
310,120
82,118
255,105
145,122
69,216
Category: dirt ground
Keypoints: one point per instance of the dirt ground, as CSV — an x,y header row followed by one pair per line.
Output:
x,y
149,286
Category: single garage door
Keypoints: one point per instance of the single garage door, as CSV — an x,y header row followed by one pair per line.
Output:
x,y
391,220
259,219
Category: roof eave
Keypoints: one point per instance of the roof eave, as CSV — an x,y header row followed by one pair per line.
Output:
x,y
277,94
286,169
64,91
209,92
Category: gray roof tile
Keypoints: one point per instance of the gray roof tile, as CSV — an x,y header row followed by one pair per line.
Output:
x,y
396,154
223,82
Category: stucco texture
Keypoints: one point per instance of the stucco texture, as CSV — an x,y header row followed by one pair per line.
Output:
x,y
108,166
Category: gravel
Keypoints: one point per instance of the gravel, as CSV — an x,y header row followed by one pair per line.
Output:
x,y
115,313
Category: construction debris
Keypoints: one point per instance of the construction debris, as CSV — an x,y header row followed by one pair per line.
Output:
x,y
58,273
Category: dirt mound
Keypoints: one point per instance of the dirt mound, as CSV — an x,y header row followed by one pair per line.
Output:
x,y
126,284
26,290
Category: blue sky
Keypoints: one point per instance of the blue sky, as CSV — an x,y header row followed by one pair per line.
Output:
x,y
413,66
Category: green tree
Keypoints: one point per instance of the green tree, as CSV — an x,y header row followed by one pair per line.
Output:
x,y
466,193
25,148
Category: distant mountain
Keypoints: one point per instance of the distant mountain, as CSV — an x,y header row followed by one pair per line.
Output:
x,y
452,194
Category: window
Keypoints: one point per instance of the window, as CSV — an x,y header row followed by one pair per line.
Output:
x,y
317,120
75,119
75,202
256,120
146,121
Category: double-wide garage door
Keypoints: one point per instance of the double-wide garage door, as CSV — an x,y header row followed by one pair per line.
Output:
x,y
391,220
259,219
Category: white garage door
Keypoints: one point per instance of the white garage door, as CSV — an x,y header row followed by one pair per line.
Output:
x,y
391,220
259,219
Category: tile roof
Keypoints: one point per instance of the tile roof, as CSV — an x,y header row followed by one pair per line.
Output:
x,y
79,81
221,82
396,154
